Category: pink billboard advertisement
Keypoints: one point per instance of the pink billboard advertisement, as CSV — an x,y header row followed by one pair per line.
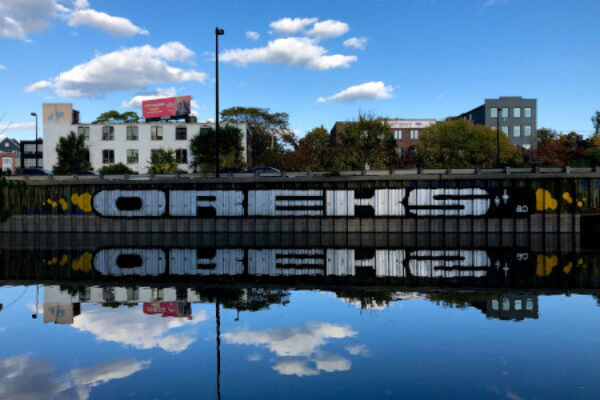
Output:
x,y
167,107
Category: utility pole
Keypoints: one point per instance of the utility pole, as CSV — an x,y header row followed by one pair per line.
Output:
x,y
36,138
218,32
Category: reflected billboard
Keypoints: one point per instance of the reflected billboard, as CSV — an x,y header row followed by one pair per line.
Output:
x,y
167,107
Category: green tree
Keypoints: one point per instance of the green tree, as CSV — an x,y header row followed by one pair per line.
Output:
x,y
116,117
313,153
461,144
72,155
596,122
202,147
270,131
545,136
116,169
163,161
369,140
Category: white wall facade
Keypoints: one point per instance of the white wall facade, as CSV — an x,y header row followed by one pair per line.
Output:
x,y
120,144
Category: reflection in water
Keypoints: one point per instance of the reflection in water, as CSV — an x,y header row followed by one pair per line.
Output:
x,y
303,344
24,378
159,298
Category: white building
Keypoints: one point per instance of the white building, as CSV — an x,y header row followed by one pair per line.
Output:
x,y
128,143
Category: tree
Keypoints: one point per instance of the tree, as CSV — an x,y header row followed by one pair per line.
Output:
x,y
72,155
163,162
367,141
116,117
313,153
116,169
461,144
545,136
270,131
596,122
202,147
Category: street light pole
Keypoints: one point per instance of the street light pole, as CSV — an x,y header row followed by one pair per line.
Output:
x,y
499,110
218,32
36,138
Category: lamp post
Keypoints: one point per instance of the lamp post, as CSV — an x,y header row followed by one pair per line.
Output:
x,y
218,32
36,138
499,110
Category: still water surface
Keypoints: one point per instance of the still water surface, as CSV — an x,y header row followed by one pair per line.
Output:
x,y
428,322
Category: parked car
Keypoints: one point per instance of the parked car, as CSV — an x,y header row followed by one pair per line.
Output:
x,y
95,173
262,170
35,171
232,170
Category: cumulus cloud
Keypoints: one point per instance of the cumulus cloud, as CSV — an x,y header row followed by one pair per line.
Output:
x,y
328,29
252,35
303,52
358,350
40,85
295,367
2,67
130,326
136,101
24,378
287,342
365,91
291,26
18,18
357,43
114,26
17,127
130,68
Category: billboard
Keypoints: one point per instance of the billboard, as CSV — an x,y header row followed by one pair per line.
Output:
x,y
167,107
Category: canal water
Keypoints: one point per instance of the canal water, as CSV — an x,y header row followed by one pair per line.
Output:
x,y
296,317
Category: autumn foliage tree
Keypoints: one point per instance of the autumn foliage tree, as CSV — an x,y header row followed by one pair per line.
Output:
x,y
461,144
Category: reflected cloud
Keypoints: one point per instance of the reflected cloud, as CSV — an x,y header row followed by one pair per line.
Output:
x,y
358,350
24,378
303,343
130,326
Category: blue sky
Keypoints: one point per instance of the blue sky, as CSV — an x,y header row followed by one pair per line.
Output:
x,y
406,59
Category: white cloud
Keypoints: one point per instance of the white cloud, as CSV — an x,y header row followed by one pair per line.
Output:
x,y
332,363
130,68
295,367
357,43
329,29
2,67
357,350
20,17
303,52
114,26
136,101
25,378
87,378
40,85
252,35
293,342
80,4
291,26
130,326
365,91
17,127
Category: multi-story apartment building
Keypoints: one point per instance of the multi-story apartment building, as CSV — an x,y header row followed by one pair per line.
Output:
x,y
406,131
32,155
516,116
129,143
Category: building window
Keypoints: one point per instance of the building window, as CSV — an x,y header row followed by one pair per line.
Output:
x,y
414,134
505,112
108,133
133,156
132,133
516,131
505,129
527,130
181,133
398,134
181,156
108,156
517,112
157,132
493,112
29,148
527,146
527,112
29,162
85,131
399,151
